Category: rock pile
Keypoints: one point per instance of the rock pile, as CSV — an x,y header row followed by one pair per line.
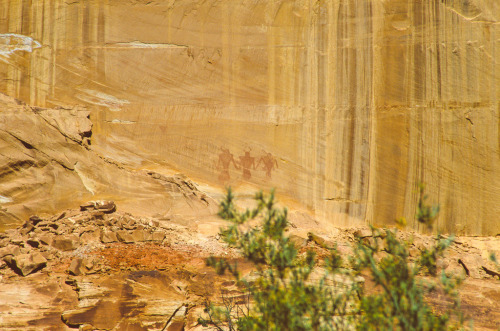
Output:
x,y
38,242
98,268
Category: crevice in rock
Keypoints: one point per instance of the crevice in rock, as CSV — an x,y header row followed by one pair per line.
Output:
x,y
491,272
171,318
25,143
464,266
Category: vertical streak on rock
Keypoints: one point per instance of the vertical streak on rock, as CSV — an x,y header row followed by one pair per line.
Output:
x,y
226,49
4,21
410,123
342,114
13,73
350,128
377,88
54,42
38,68
321,38
235,44
271,54
392,135
364,36
309,104
24,29
101,42
44,78
433,122
36,19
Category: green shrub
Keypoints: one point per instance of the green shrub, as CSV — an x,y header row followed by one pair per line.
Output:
x,y
399,303
282,295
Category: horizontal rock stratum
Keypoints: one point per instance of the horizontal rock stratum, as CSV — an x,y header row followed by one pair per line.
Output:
x,y
343,106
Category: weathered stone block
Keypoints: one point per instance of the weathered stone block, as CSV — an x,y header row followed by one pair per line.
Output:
x,y
66,242
25,264
108,237
90,236
125,236
138,235
158,236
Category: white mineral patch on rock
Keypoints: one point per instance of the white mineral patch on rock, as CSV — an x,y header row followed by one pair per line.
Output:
x,y
5,199
102,99
12,42
140,44
116,121
87,182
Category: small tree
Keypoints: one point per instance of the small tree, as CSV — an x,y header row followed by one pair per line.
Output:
x,y
399,303
283,297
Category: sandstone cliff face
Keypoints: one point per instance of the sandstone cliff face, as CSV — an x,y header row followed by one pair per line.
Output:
x,y
47,165
341,105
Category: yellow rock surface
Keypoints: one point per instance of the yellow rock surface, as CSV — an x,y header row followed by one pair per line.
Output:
x,y
343,106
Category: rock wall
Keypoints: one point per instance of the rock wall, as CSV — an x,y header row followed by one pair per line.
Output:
x,y
343,106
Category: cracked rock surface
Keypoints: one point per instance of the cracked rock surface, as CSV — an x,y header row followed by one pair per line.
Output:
x,y
52,167
67,271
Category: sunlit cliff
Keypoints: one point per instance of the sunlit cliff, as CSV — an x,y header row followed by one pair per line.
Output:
x,y
342,106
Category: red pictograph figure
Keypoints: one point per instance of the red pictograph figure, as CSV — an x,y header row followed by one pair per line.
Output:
x,y
269,162
225,160
247,162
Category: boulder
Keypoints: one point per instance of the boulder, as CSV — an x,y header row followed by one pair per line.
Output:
x,y
108,237
35,220
46,239
298,241
125,236
320,240
25,264
86,327
17,239
98,215
48,226
138,235
87,206
27,228
363,233
66,242
158,236
80,267
130,225
48,255
33,243
90,236
12,250
104,206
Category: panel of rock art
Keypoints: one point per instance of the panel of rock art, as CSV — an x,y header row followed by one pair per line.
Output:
x,y
343,106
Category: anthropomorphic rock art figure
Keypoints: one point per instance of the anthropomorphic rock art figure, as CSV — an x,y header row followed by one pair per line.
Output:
x,y
247,162
225,160
268,161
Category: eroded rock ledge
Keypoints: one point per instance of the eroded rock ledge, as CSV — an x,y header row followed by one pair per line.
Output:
x,y
97,268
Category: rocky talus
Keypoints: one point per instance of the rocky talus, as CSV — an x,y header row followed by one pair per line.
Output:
x,y
97,268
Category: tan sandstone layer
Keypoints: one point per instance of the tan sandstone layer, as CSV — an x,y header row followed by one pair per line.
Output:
x,y
343,105
46,165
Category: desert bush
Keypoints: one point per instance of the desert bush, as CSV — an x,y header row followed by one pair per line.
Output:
x,y
399,302
282,296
